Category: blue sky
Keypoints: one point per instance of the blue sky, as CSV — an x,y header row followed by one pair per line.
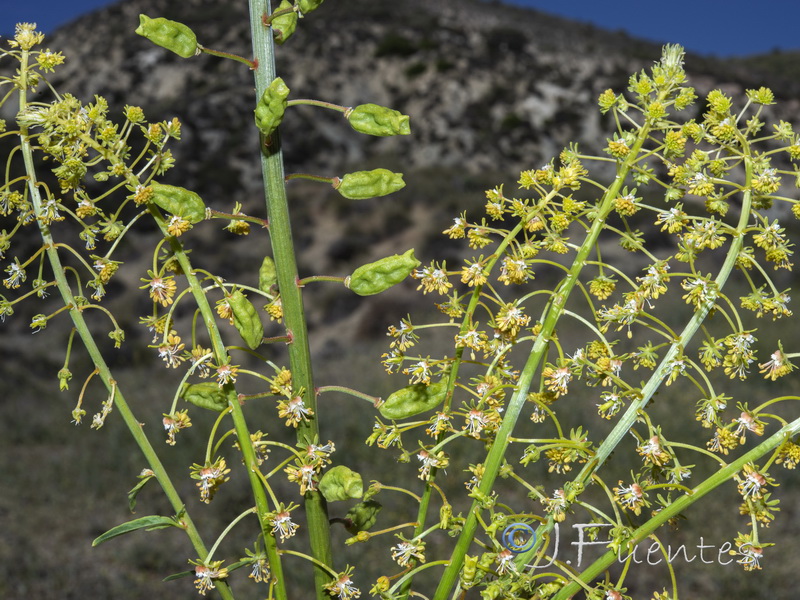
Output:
x,y
721,27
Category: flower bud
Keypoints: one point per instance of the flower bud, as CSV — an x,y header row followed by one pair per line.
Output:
x,y
64,375
206,395
413,400
382,585
246,319
373,119
341,483
375,277
361,185
271,106
178,201
373,490
171,35
283,26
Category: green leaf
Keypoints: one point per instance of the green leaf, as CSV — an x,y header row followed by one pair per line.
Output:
x,y
180,575
149,523
135,491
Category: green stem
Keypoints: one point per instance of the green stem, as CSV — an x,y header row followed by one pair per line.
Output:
x,y
310,177
291,298
680,505
494,458
320,103
132,423
225,532
313,278
237,414
656,380
346,390
230,55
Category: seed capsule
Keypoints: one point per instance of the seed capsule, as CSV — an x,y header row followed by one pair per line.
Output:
x,y
246,319
375,277
341,483
271,106
361,185
178,201
306,6
362,516
171,35
206,394
267,276
373,119
413,400
283,26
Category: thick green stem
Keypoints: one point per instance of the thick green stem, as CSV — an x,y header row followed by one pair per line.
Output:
x,y
291,297
133,424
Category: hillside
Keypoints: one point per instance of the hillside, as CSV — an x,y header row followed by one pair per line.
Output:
x,y
490,89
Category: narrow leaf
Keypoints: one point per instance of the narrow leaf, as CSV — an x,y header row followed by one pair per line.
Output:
x,y
135,491
180,575
150,522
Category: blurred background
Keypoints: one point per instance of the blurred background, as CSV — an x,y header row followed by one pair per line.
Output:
x,y
491,88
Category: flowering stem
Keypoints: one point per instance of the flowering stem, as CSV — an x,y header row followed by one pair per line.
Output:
x,y
291,297
101,368
495,456
240,425
222,535
662,371
221,357
681,504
